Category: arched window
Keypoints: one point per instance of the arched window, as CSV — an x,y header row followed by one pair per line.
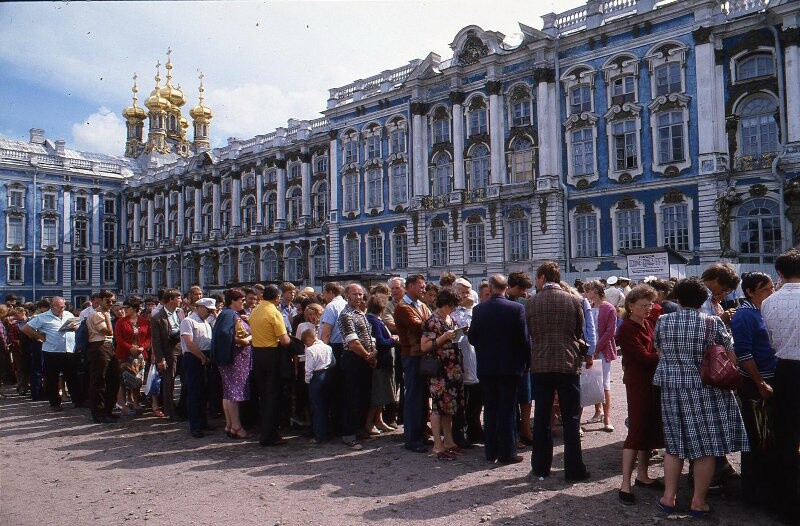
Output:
x,y
248,264
174,275
439,257
172,225
209,272
142,231
374,188
158,230
130,277
293,205
208,218
441,175
319,200
479,167
271,210
522,161
226,264
476,240
158,274
350,192
248,214
758,65
225,218
477,117
759,226
270,266
145,277
759,131
189,271
320,262
294,264
189,225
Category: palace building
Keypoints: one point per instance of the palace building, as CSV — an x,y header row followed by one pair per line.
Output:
x,y
622,124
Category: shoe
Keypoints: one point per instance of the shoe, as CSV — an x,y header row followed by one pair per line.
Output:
x,y
445,455
701,514
198,434
596,419
158,413
374,431
352,444
521,445
512,460
581,432
653,484
455,450
416,449
385,428
104,420
586,475
626,498
664,508
239,434
608,428
277,442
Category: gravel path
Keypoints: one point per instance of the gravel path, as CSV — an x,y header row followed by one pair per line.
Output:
x,y
60,468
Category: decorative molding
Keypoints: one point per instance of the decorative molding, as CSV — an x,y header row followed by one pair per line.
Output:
x,y
544,74
702,35
457,97
494,87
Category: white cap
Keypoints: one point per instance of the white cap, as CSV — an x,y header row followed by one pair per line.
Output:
x,y
612,280
624,278
464,282
209,303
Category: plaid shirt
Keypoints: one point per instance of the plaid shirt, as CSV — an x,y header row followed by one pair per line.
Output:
x,y
353,325
681,337
555,323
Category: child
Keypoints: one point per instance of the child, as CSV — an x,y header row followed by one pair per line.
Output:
x,y
319,360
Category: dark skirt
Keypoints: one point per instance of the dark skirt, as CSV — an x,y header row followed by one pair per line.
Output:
x,y
645,431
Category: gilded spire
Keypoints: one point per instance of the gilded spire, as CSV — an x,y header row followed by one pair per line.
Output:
x,y
202,89
134,112
158,74
169,66
135,89
172,94
201,111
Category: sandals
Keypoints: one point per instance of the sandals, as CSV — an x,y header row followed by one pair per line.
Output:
x,y
653,484
159,413
597,419
664,508
700,514
445,455
234,433
455,450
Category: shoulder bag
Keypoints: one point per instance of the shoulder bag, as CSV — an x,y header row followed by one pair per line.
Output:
x,y
716,368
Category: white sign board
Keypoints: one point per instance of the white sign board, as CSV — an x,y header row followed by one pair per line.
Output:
x,y
642,265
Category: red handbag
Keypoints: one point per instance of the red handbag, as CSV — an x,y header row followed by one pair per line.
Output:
x,y
716,368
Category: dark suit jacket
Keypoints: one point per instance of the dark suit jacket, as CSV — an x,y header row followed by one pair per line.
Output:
x,y
409,323
555,322
500,337
159,335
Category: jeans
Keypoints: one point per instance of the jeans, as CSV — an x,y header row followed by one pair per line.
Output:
x,y
194,378
568,386
499,394
319,391
358,390
413,413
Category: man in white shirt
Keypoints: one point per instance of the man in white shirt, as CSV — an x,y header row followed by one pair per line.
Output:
x,y
195,344
781,313
57,334
91,309
614,295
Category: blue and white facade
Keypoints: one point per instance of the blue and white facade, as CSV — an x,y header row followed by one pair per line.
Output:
x,y
622,124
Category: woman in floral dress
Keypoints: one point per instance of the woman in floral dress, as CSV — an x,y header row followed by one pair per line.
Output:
x,y
235,374
447,386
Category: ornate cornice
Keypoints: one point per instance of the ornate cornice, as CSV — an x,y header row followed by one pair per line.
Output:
x,y
418,108
457,97
494,87
544,75
702,35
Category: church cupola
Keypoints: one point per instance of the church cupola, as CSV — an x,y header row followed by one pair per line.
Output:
x,y
134,122
201,115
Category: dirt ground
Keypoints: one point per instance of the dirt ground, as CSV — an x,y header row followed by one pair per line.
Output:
x,y
61,468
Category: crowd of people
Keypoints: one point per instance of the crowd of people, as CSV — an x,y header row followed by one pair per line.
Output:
x,y
499,366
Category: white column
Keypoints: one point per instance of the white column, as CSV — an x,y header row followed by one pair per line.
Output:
x,y
151,211
66,266
96,211
419,149
333,170
137,218
457,99
548,140
792,71
281,208
496,131
707,125
305,172
259,200
236,202
198,209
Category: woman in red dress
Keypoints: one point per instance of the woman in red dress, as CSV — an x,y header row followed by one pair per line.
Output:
x,y
132,340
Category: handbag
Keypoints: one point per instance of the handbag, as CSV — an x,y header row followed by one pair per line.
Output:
x,y
429,365
716,368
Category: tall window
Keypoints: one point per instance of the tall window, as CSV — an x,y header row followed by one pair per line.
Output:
x,y
209,273
320,262
625,145
400,248
580,99
758,128
479,167
350,152
520,109
145,277
109,206
441,175
294,264
16,197
270,268
15,269
49,232
81,233
374,189
522,161
81,203
207,218
109,236
668,79
476,243
81,270
225,218
16,231
227,269
158,231
271,210
477,122
249,267
319,201
158,274
760,65
295,171
586,235
372,147
109,271
518,240
49,201
622,89
190,272
441,130
130,277
49,270
583,151
321,165
294,204
397,140
675,223
759,227
670,137
399,183
350,194
375,251
629,229
249,215
439,247
351,253
174,273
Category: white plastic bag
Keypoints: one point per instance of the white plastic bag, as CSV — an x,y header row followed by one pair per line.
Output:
x,y
153,385
592,385
470,362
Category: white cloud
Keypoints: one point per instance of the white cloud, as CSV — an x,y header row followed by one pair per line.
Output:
x,y
102,132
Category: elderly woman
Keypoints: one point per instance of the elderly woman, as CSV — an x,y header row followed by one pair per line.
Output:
x,y
447,386
700,421
757,362
132,342
605,347
383,389
231,330
640,358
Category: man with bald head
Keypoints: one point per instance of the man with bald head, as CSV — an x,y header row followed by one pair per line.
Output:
x,y
55,328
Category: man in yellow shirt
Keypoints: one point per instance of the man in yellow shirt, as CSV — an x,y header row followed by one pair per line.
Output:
x,y
269,332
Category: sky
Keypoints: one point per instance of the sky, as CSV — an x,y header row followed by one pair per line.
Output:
x,y
67,67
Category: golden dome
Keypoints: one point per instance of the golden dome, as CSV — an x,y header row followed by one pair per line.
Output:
x,y
155,102
134,112
184,123
172,94
201,111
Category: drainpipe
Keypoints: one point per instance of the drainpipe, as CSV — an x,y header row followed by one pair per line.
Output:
x,y
561,175
35,220
781,121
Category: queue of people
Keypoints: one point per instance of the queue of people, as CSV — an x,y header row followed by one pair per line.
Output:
x,y
357,363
